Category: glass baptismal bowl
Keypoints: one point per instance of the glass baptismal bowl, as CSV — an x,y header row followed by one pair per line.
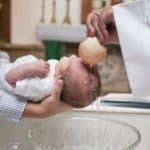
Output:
x,y
83,131
14,136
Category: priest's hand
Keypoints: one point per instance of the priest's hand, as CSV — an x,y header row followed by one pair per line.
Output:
x,y
101,23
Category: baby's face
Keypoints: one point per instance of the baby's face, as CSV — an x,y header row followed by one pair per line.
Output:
x,y
64,64
82,76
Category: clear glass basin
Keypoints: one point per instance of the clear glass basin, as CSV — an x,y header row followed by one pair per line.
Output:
x,y
83,131
14,136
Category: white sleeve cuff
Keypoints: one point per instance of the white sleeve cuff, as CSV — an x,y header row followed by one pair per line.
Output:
x,y
4,85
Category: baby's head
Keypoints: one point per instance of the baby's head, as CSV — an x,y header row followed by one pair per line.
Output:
x,y
82,83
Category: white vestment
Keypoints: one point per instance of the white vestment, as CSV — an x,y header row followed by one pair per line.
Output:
x,y
133,26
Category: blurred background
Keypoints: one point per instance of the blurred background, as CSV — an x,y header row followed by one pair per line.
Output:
x,y
53,28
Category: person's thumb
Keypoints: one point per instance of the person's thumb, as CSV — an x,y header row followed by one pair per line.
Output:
x,y
58,89
56,97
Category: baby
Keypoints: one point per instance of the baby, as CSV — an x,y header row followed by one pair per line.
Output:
x,y
35,79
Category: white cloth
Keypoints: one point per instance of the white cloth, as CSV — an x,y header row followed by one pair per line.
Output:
x,y
4,58
134,36
34,89
11,106
8,66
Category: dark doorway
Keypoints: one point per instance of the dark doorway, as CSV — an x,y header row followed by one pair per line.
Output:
x,y
5,20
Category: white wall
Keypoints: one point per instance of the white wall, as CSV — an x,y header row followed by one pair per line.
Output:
x,y
25,14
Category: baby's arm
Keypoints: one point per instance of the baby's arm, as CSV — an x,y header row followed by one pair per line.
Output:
x,y
38,68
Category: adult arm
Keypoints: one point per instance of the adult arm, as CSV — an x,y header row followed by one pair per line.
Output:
x,y
49,106
13,108
133,31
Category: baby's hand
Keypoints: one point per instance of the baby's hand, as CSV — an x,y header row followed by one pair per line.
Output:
x,y
40,68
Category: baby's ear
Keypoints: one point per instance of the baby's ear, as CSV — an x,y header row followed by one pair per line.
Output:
x,y
60,73
57,71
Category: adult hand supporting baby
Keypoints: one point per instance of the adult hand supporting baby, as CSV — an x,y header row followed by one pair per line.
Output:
x,y
101,23
49,106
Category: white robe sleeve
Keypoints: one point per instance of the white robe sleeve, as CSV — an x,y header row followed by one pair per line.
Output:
x,y
147,11
134,36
